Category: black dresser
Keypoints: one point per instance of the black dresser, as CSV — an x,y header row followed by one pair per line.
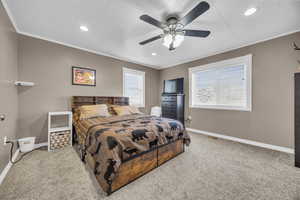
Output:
x,y
297,119
172,106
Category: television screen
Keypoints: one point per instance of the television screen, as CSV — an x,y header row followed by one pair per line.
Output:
x,y
173,86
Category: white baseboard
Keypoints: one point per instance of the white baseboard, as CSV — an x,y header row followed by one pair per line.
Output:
x,y
9,164
41,145
244,141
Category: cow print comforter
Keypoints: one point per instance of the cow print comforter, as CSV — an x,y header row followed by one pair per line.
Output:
x,y
111,140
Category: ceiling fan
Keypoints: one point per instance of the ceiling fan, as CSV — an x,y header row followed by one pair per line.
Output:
x,y
173,28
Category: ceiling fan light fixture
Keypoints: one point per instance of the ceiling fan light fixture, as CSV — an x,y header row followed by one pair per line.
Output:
x,y
176,39
168,39
179,38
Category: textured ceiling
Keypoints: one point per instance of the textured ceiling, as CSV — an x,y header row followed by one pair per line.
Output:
x,y
115,29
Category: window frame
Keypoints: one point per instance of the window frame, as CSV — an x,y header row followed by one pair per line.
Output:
x,y
136,72
243,60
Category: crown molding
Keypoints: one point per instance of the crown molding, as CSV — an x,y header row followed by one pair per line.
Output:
x,y
230,49
88,50
4,2
9,13
155,66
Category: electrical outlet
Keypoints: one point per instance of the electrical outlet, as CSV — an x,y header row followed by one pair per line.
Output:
x,y
189,119
5,140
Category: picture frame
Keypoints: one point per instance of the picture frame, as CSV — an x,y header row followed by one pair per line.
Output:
x,y
83,76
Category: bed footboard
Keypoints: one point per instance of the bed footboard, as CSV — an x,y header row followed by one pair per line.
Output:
x,y
169,151
134,168
140,165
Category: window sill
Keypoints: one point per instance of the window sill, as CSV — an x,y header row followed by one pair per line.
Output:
x,y
222,108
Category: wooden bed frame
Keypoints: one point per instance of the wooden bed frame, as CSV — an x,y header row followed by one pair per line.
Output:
x,y
135,166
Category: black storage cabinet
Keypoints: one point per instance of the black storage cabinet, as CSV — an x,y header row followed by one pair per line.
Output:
x,y
172,106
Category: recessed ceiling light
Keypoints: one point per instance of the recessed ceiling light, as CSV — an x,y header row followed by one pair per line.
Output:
x,y
84,28
154,54
250,11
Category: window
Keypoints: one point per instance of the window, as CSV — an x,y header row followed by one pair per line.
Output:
x,y
134,86
222,85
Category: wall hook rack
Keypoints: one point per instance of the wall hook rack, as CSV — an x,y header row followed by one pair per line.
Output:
x,y
296,47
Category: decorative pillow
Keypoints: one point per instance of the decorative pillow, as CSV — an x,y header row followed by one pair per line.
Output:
x,y
76,114
125,110
90,111
122,110
134,110
111,109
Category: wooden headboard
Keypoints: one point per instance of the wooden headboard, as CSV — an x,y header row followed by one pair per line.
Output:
x,y
93,100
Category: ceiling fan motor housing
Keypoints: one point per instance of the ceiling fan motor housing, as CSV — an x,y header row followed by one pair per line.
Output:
x,y
172,20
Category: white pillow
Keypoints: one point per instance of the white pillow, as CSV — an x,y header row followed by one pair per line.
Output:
x,y
134,110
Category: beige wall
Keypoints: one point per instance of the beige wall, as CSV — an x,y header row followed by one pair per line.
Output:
x,y
48,65
8,74
271,120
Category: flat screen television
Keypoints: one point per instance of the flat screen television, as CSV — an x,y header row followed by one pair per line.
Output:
x,y
174,86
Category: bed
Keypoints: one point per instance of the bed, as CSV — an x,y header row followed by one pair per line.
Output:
x,y
120,149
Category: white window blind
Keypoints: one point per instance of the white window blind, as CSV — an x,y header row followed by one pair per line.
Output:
x,y
134,86
222,85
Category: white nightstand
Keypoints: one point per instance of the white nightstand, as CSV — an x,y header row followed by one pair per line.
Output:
x,y
59,130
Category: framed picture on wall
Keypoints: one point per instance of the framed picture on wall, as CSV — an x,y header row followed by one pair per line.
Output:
x,y
83,76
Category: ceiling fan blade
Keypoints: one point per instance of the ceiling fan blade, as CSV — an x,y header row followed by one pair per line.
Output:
x,y
196,33
201,8
150,40
152,21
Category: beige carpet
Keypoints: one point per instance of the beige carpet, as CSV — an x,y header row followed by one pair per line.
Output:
x,y
210,169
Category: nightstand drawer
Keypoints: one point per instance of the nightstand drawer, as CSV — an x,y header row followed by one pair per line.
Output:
x,y
60,139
